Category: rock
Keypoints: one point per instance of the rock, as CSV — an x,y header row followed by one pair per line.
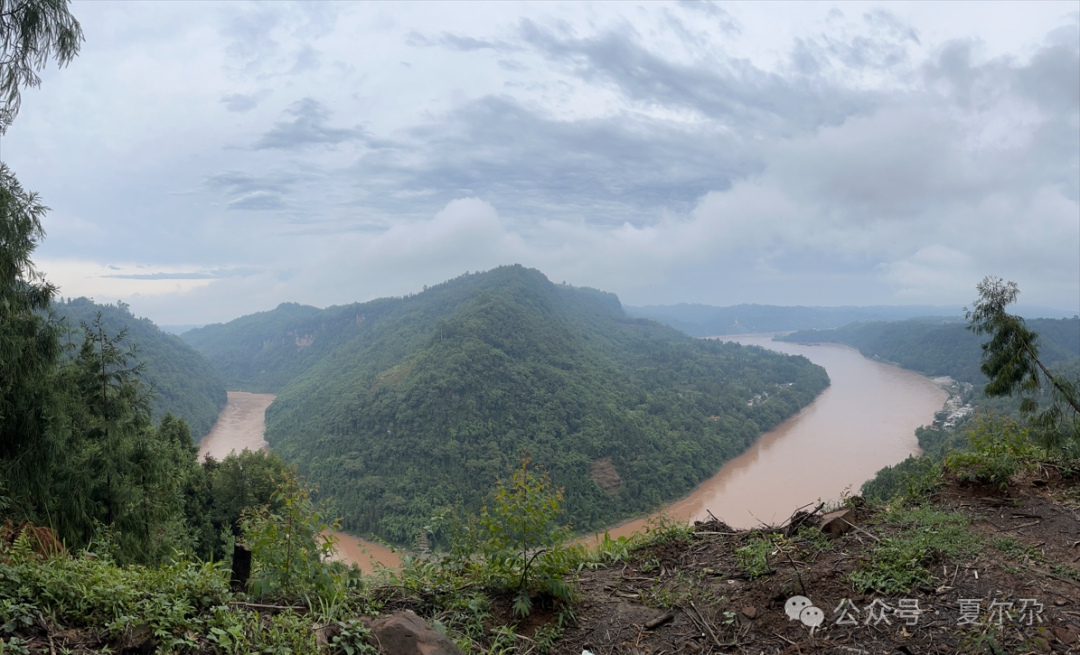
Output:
x,y
139,641
749,611
837,523
405,633
1065,635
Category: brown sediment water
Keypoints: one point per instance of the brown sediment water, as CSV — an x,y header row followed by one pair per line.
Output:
x,y
242,424
865,420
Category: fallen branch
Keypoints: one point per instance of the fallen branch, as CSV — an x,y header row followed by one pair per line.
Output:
x,y
858,529
659,621
1052,575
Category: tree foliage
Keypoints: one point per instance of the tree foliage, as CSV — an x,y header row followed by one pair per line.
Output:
x,y
1012,366
401,406
184,382
32,32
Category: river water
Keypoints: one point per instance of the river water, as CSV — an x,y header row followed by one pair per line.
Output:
x,y
864,421
242,424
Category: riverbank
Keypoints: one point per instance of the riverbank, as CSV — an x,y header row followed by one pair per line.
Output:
x,y
241,425
863,422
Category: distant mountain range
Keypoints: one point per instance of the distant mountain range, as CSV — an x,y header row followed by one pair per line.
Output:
x,y
401,407
943,347
709,321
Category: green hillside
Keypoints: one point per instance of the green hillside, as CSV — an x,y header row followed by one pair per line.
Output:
x,y
401,406
943,347
184,382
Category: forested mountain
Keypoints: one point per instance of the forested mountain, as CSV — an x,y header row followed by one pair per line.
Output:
x,y
402,406
709,321
184,382
943,347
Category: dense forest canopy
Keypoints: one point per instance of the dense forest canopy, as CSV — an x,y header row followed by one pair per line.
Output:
x,y
402,406
942,347
185,384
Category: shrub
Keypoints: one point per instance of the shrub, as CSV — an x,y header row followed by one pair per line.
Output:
x,y
999,449
291,545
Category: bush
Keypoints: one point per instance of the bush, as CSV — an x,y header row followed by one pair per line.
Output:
x,y
524,542
998,449
291,546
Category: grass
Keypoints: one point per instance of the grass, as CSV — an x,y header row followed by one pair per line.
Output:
x,y
753,558
925,535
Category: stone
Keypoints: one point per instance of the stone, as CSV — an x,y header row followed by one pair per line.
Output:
x,y
405,633
749,611
1065,635
837,523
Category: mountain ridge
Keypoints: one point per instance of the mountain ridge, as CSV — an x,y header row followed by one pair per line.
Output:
x,y
399,407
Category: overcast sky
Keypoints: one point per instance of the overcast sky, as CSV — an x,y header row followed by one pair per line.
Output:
x,y
208,160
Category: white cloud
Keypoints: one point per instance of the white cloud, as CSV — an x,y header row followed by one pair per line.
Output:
x,y
770,154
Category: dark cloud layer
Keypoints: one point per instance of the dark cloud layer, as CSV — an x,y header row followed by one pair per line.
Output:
x,y
848,158
307,127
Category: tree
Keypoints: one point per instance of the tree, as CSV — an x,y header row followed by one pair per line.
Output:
x,y
1012,366
525,537
29,343
32,31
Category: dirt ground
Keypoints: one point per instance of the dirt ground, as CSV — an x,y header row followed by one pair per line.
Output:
x,y
707,604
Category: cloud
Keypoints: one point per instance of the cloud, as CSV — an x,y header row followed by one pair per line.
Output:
x,y
239,102
669,152
257,200
307,127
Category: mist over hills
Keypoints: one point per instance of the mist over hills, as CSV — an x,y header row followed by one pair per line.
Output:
x,y
941,347
401,406
707,320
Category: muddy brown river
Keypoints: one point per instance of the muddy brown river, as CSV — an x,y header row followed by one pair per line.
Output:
x,y
864,421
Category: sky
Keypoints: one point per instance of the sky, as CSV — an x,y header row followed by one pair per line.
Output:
x,y
203,161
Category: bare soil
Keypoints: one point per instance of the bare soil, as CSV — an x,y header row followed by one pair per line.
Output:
x,y
716,608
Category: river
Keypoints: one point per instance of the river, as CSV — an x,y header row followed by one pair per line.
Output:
x,y
242,424
864,421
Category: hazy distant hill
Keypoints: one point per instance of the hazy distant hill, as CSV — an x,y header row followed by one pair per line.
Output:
x,y
186,384
400,406
943,347
707,321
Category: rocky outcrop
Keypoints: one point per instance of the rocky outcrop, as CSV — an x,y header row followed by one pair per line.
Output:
x,y
405,633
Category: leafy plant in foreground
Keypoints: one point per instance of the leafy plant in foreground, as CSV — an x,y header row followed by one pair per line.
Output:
x,y
999,449
524,539
291,544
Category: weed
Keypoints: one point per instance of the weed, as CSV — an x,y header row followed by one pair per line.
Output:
x,y
682,590
1015,549
754,556
925,536
1065,571
999,449
353,639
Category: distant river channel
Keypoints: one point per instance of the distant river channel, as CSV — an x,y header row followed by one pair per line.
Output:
x,y
864,421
